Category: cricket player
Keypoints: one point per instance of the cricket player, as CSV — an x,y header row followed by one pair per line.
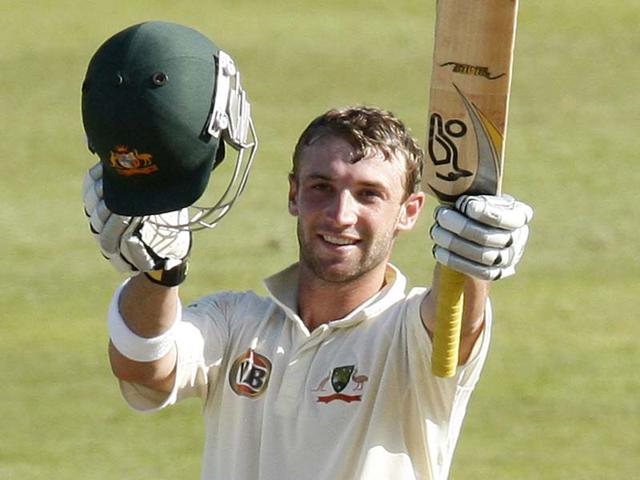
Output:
x,y
328,377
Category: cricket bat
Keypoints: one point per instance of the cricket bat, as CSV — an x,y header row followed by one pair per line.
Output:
x,y
468,109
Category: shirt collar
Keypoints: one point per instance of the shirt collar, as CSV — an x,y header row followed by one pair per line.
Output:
x,y
283,289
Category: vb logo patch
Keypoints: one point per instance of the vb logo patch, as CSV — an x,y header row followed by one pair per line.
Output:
x,y
128,163
345,382
249,374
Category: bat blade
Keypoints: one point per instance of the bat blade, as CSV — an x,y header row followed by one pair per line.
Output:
x,y
468,111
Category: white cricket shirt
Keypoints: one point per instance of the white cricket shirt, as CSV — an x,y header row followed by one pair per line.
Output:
x,y
352,400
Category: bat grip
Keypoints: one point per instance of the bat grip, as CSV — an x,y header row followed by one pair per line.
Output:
x,y
446,338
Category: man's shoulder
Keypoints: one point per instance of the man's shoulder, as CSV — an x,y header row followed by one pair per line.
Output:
x,y
396,312
229,301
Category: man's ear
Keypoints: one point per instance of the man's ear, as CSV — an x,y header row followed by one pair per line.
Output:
x,y
410,211
293,195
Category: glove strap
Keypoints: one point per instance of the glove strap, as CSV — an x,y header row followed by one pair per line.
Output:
x,y
169,278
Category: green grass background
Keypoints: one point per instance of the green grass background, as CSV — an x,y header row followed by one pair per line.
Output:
x,y
560,395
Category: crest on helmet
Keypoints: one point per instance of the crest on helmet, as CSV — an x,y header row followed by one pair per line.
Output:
x,y
127,162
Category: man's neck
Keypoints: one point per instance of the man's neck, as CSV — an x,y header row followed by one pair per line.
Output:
x,y
320,302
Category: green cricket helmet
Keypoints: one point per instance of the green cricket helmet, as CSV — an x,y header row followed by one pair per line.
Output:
x,y
159,103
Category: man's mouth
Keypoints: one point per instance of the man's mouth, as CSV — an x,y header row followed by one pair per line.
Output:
x,y
340,241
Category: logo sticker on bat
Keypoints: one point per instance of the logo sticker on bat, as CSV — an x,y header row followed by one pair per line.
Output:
x,y
465,69
445,139
442,147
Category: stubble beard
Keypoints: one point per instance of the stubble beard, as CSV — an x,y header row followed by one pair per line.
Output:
x,y
327,270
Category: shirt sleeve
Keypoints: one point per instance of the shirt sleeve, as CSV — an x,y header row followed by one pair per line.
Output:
x,y
200,343
444,400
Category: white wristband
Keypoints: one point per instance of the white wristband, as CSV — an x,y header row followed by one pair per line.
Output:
x,y
133,346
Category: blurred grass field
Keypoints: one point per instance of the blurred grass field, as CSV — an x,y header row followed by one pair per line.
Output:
x,y
560,394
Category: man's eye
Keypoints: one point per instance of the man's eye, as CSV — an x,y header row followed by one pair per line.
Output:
x,y
320,187
370,194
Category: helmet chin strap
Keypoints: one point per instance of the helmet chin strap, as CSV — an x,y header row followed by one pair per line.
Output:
x,y
229,122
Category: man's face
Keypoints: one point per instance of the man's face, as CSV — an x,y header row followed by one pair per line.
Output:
x,y
348,213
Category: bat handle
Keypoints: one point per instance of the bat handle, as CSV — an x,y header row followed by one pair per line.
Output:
x,y
446,338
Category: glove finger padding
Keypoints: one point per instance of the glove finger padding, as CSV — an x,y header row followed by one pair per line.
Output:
x,y
502,212
472,251
468,267
113,230
108,230
92,197
92,179
156,244
456,223
520,238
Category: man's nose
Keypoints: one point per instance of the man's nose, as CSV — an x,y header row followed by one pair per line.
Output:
x,y
344,209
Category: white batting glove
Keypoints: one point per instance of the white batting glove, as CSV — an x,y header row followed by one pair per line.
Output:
x,y
482,235
137,244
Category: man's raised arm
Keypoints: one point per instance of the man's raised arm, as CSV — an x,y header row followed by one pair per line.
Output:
x,y
484,237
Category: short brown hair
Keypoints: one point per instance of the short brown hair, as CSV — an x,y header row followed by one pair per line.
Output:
x,y
367,129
